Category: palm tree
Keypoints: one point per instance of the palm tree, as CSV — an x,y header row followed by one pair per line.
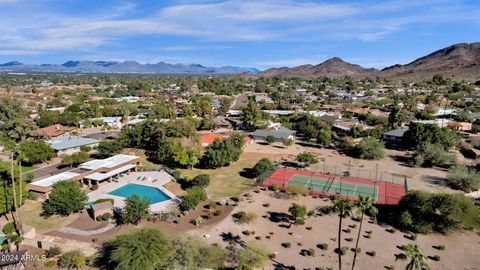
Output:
x,y
418,261
364,205
21,156
344,209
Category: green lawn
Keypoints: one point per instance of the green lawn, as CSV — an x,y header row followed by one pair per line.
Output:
x,y
226,181
31,216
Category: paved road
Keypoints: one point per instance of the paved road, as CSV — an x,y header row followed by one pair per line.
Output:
x,y
49,170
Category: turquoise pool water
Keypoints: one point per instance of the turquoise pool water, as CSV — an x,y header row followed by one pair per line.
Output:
x,y
155,195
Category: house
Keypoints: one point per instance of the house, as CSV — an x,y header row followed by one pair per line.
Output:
x,y
207,139
471,98
223,122
91,172
266,99
113,122
394,137
441,122
280,134
67,144
55,131
460,126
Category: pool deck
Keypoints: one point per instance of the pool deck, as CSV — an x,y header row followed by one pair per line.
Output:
x,y
162,179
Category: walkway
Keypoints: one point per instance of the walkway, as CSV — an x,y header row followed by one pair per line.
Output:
x,y
75,231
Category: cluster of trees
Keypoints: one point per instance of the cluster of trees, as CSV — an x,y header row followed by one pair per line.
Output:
x,y
75,159
151,249
223,152
368,148
463,178
35,151
436,212
308,127
67,197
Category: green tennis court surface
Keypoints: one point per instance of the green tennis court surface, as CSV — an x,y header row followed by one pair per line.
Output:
x,y
334,186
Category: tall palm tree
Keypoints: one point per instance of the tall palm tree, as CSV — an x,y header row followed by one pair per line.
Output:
x,y
418,261
364,205
21,157
344,209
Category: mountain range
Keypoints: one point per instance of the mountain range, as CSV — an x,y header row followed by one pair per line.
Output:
x,y
125,67
460,61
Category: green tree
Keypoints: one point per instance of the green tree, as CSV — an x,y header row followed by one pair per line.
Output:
x,y
364,205
11,108
324,137
135,209
344,209
307,158
298,212
418,261
36,151
109,148
75,158
262,166
250,115
194,196
253,256
19,129
287,142
428,155
369,148
66,197
419,134
270,139
146,249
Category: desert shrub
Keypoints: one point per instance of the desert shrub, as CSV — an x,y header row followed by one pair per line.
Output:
x,y
309,228
347,230
106,216
323,246
436,212
32,195
297,190
429,155
266,205
274,187
435,258
243,217
311,213
72,260
53,251
50,263
463,178
391,230
98,218
342,250
286,244
371,253
439,247
349,239
197,221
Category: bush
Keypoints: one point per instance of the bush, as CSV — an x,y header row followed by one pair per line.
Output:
x,y
274,187
8,228
106,216
323,246
243,217
32,195
53,251
371,253
435,258
425,212
72,260
201,180
439,247
266,205
349,239
463,178
429,155
286,245
50,263
342,250
468,152
66,197
195,195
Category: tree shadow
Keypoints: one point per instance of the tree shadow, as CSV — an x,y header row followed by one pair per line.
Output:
x,y
278,217
247,173
402,160
435,180
291,164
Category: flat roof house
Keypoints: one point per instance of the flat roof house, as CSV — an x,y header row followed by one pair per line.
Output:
x,y
280,134
66,144
90,172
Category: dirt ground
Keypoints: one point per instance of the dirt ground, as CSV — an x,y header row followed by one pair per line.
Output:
x,y
460,253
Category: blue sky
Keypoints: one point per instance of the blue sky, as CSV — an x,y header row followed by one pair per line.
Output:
x,y
257,33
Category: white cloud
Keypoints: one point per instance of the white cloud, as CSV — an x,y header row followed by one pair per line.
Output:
x,y
19,52
40,29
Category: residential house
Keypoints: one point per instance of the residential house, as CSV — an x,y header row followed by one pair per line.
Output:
x,y
460,126
207,139
280,134
471,98
67,144
55,131
394,137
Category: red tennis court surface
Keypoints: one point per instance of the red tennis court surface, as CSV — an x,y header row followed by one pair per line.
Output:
x,y
388,193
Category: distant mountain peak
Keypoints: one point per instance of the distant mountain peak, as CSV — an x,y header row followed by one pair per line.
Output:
x,y
11,63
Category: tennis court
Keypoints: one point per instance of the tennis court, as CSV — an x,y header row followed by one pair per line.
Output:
x,y
334,185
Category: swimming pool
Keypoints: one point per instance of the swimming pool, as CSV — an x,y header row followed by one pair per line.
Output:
x,y
155,195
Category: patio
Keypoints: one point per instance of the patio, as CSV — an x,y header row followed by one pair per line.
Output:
x,y
155,179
